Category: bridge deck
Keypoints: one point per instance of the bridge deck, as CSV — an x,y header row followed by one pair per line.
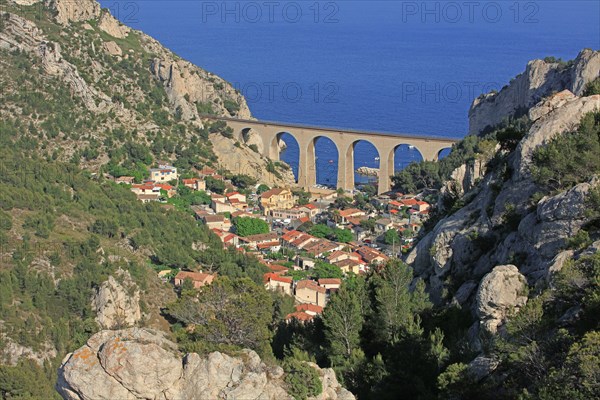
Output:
x,y
334,129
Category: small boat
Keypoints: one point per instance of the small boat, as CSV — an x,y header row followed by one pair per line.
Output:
x,y
411,147
330,161
376,158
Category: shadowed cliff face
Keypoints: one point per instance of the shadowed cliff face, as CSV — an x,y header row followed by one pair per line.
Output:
x,y
143,364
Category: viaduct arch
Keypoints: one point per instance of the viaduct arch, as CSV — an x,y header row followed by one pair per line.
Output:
x,y
345,140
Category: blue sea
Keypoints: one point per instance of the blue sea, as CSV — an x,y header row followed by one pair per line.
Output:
x,y
383,66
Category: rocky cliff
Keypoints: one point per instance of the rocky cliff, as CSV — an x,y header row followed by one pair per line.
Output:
x,y
143,364
125,79
540,79
503,240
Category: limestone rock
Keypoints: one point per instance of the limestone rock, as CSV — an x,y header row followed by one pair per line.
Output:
x,y
54,64
251,137
112,48
539,80
558,262
117,304
557,115
114,28
142,364
500,293
74,11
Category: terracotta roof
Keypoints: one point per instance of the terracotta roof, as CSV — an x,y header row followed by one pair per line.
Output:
x,y
164,186
409,202
261,237
311,285
270,276
300,316
268,245
310,206
351,211
272,192
309,307
213,218
290,235
336,254
330,281
277,268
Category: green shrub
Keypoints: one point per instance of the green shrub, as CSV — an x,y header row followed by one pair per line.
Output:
x,y
592,88
302,380
570,158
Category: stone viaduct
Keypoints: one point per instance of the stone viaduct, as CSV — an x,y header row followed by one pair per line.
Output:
x,y
345,141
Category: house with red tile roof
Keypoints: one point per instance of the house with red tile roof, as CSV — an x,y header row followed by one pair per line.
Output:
x,y
276,199
421,206
372,256
216,221
207,171
194,183
277,283
351,213
253,241
320,247
300,316
228,238
340,255
277,269
308,291
236,196
310,309
351,266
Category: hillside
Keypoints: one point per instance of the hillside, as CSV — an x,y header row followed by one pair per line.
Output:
x,y
91,91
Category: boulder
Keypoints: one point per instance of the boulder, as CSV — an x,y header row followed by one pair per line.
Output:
x,y
501,293
143,364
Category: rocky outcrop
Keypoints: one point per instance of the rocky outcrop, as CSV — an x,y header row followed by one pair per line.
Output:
x,y
143,364
557,114
54,64
112,48
540,79
500,294
243,160
117,304
187,85
474,238
74,11
114,28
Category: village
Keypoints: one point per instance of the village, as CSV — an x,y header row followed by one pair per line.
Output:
x,y
308,241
